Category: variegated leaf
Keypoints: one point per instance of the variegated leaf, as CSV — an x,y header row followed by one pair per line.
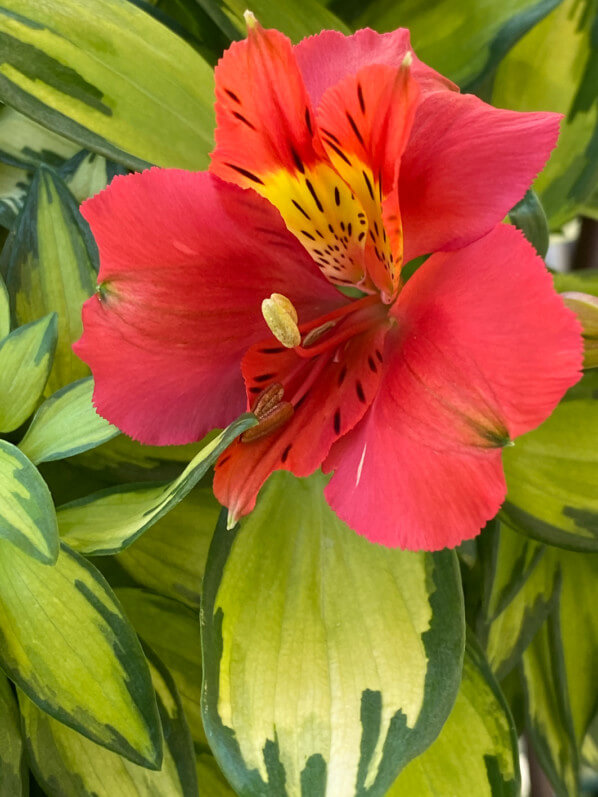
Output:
x,y
329,662
13,775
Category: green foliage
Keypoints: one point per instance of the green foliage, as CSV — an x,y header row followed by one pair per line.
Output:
x,y
329,664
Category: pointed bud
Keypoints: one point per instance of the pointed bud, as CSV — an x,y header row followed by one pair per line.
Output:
x,y
250,20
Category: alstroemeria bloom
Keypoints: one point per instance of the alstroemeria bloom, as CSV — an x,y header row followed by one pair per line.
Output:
x,y
350,157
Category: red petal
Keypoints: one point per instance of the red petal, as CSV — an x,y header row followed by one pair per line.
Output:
x,y
267,138
186,260
342,388
330,56
465,166
484,348
365,121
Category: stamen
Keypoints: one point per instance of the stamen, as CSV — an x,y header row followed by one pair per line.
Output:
x,y
272,420
312,336
281,317
267,399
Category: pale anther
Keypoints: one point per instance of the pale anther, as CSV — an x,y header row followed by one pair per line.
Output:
x,y
281,317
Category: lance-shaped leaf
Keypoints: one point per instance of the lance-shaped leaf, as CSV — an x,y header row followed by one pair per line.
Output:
x,y
4,310
69,764
108,521
13,777
521,588
50,268
329,662
172,632
296,19
585,308
555,67
550,725
170,558
87,173
14,184
109,76
485,32
552,474
210,776
65,642
26,144
476,752
27,517
66,424
25,362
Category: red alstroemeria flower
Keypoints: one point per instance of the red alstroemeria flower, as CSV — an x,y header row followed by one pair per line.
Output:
x,y
350,157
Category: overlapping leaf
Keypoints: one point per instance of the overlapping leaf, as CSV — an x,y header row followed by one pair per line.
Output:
x,y
66,643
13,778
109,76
66,424
329,662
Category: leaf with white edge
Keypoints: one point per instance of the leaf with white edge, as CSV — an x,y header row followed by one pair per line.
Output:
x,y
476,752
14,185
66,643
69,764
554,67
4,310
552,474
171,630
51,267
27,517
170,557
550,726
65,424
521,589
108,521
109,76
26,357
13,777
329,662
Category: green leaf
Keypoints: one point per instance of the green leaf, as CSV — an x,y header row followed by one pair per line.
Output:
x,y
66,424
529,217
88,173
170,558
27,517
108,521
69,764
4,310
65,642
290,700
296,19
552,474
550,726
25,363
464,40
13,777
521,588
585,281
555,68
210,777
476,752
14,184
585,308
51,268
172,631
26,144
109,76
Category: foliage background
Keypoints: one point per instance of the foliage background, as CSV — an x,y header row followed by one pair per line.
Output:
x,y
104,542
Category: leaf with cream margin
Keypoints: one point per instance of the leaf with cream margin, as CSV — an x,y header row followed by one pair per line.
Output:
x,y
291,704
